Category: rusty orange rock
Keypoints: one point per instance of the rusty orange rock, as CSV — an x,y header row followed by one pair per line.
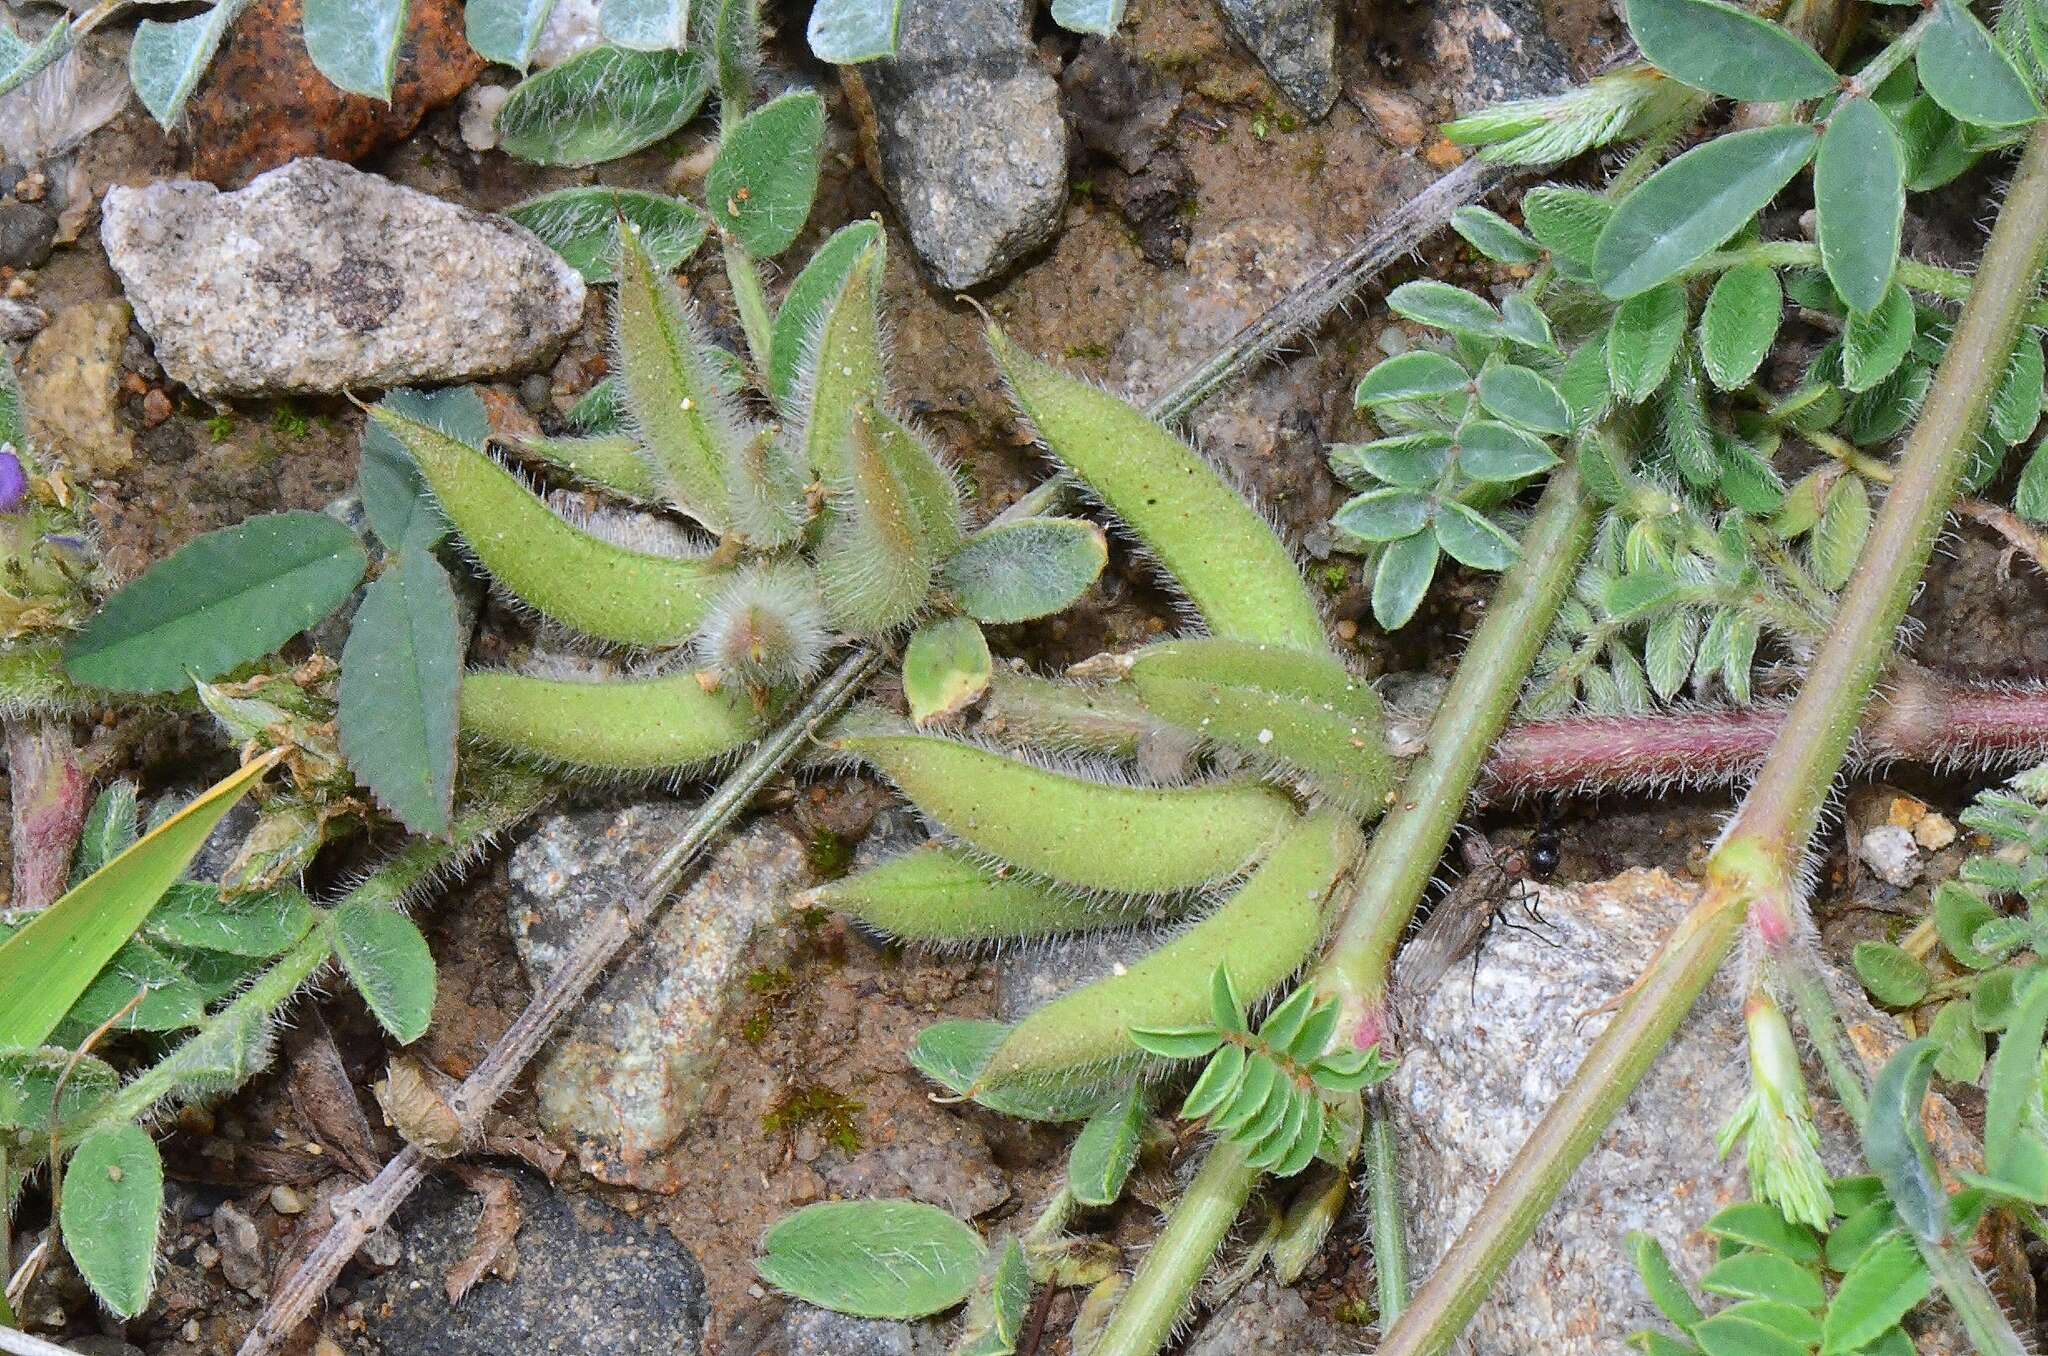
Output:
x,y
263,103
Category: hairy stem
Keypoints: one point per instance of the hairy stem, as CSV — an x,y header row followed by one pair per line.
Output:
x,y
1201,1220
1755,867
1389,1245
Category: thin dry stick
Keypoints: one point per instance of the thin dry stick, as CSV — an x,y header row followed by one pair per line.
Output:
x,y
15,1342
363,1211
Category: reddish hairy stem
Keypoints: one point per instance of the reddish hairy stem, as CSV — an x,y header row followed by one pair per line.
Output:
x,y
1920,718
48,785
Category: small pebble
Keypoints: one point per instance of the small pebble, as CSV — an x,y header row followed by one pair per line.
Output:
x,y
1890,852
1934,832
285,1201
478,118
156,407
326,1346
190,1332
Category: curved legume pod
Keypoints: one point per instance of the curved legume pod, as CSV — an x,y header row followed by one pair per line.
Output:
x,y
941,895
841,371
648,725
1230,564
1264,932
1075,831
1305,712
874,565
559,570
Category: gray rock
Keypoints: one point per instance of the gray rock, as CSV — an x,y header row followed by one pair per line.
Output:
x,y
1491,51
628,1075
1266,1316
1889,850
1296,41
779,1327
1484,1057
19,320
967,127
589,1281
26,232
318,278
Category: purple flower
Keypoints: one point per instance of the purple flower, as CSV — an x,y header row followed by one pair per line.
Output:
x,y
13,481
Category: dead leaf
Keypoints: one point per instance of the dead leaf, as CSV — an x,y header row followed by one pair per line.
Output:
x,y
325,1100
496,1228
511,1140
415,1102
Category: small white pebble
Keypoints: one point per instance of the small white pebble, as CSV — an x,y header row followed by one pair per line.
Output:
x,y
1265,736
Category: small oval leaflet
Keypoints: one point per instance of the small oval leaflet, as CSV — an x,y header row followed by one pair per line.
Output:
x,y
582,225
1723,50
113,1204
873,1259
1859,192
388,962
602,104
1014,572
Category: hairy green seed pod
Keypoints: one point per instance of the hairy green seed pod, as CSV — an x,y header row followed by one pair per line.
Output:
x,y
687,424
767,628
941,895
650,725
933,491
1088,834
562,572
1263,932
1305,712
1223,556
842,368
874,564
765,483
610,461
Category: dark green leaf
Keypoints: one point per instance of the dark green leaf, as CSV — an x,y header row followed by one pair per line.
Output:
x,y
1767,1276
1994,999
400,673
1890,973
602,104
582,225
388,962
1030,568
1756,1225
193,914
1384,515
872,1259
1567,221
1445,307
807,300
1496,452
218,601
1495,236
1401,578
1883,1287
1419,375
1415,461
1858,1230
1788,1320
1958,914
1643,341
1106,1148
1895,1145
1733,1335
1666,1291
1217,1084
1179,1042
113,1205
170,1001
2016,410
2013,1150
1724,50
1472,539
1967,73
1694,204
1859,196
396,499
762,184
111,828
1739,323
1523,397
1961,1057
1876,342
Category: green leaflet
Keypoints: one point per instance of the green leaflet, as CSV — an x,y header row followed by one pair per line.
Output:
x,y
166,59
841,368
1644,340
1838,537
1495,236
400,672
53,959
29,1091
1421,374
999,1307
1660,1279
761,185
875,562
582,225
1741,320
1876,342
1965,71
1401,578
1228,562
808,298
736,40
1023,570
1072,830
1896,1147
506,31
1882,1288
1859,194
873,1259
647,725
602,104
848,31
354,43
945,669
645,25
1724,50
193,914
1107,1148
1694,204
1524,398
690,428
388,962
113,1205
1893,976
1429,302
220,600
111,828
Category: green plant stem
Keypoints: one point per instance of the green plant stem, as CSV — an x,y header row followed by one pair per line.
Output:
x,y
1935,281
1389,1243
1896,53
1396,872
1201,1220
1991,1332
752,301
1755,867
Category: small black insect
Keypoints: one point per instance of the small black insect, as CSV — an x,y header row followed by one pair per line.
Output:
x,y
1493,879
